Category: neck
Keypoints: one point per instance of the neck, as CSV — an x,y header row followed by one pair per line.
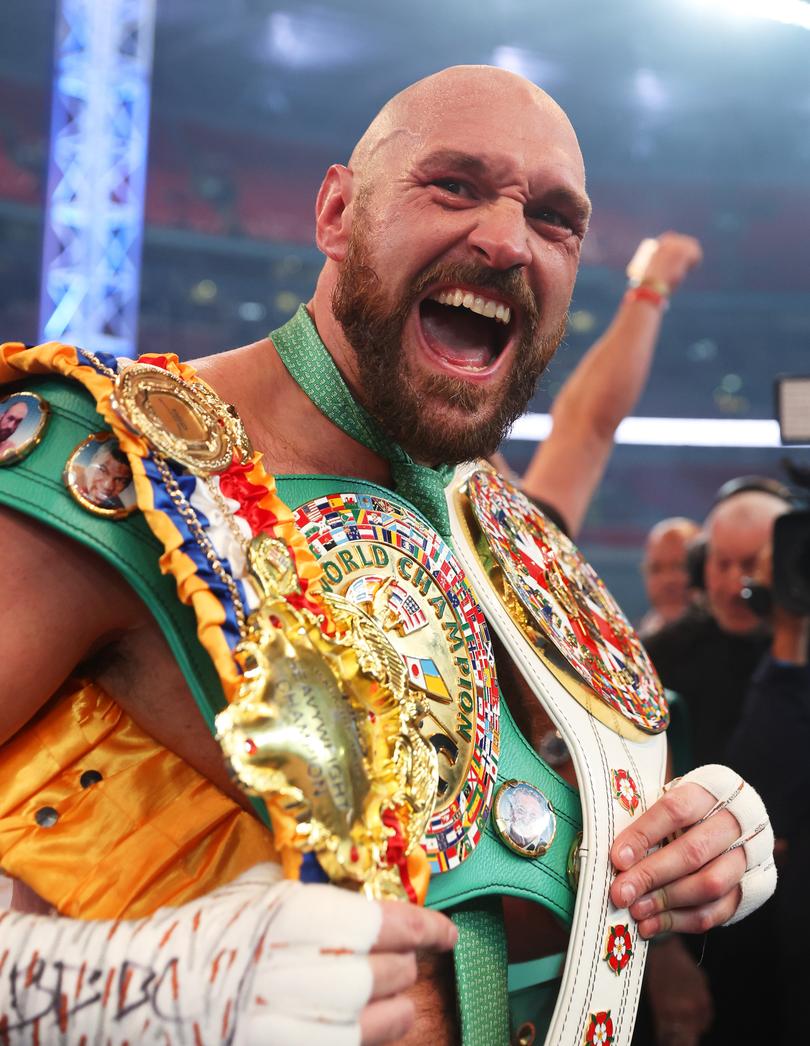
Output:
x,y
331,333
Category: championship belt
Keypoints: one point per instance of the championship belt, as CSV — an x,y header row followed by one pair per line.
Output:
x,y
590,673
381,557
320,722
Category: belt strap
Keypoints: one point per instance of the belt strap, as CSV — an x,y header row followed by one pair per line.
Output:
x,y
481,982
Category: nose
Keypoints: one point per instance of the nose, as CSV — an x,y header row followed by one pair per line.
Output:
x,y
499,235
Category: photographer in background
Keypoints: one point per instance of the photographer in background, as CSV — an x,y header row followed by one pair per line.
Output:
x,y
711,657
770,746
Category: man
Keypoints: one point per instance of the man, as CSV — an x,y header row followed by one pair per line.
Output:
x,y
666,577
452,241
709,657
10,420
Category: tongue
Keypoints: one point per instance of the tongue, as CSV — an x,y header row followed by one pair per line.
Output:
x,y
461,337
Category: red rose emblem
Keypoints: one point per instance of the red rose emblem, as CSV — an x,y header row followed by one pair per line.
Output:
x,y
619,947
600,1029
626,791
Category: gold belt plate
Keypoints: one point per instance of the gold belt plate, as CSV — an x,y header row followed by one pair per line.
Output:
x,y
182,420
380,557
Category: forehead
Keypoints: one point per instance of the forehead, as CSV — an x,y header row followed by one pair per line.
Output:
x,y
512,134
670,544
735,536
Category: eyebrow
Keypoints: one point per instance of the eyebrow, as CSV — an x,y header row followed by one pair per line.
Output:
x,y
467,163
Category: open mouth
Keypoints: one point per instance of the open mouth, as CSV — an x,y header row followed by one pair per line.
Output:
x,y
465,330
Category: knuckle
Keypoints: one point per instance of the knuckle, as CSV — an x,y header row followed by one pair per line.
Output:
x,y
409,969
705,919
639,840
677,806
695,849
404,1019
644,880
715,882
414,925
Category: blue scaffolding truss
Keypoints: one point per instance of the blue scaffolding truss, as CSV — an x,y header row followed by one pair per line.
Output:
x,y
97,173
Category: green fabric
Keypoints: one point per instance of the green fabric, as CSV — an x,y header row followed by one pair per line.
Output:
x,y
536,971
34,486
309,363
481,963
493,867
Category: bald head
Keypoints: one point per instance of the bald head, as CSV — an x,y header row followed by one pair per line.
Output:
x,y
737,531
665,572
457,93
750,510
686,529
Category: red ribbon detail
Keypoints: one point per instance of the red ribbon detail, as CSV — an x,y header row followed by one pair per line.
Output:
x,y
395,852
155,361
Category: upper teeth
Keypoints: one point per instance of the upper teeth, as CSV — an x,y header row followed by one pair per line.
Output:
x,y
474,302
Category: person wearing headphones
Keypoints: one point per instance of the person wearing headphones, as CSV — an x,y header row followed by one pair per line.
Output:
x,y
710,657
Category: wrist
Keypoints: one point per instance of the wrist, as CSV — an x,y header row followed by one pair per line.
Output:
x,y
653,292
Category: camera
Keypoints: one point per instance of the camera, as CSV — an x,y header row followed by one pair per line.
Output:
x,y
791,532
791,551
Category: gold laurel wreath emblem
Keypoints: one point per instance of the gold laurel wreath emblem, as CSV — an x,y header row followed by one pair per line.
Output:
x,y
329,725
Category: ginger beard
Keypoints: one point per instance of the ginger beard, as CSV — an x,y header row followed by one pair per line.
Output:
x,y
435,417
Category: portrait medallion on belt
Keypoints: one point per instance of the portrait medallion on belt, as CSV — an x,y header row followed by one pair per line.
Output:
x,y
23,417
385,560
564,608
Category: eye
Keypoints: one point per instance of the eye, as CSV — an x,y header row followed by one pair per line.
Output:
x,y
550,216
452,186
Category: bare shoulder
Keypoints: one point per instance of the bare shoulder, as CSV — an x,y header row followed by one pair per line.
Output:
x,y
59,602
233,373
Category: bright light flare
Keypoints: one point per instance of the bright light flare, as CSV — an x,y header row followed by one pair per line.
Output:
x,y
670,432
789,12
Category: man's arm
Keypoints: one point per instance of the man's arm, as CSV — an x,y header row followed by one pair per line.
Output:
x,y
258,960
603,389
58,603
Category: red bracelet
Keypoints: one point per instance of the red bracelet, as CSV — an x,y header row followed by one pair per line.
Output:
x,y
647,294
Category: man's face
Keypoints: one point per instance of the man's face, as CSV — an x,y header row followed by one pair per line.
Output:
x,y
665,574
11,419
462,260
105,478
731,556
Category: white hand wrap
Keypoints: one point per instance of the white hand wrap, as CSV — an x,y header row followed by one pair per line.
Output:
x,y
756,835
261,960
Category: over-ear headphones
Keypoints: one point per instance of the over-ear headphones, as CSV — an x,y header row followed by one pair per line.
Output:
x,y
696,553
742,484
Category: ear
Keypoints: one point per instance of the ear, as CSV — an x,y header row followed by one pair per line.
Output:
x,y
333,212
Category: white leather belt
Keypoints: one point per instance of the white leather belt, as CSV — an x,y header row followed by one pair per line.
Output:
x,y
620,770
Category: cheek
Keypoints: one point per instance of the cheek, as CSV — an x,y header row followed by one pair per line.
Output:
x,y
555,272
